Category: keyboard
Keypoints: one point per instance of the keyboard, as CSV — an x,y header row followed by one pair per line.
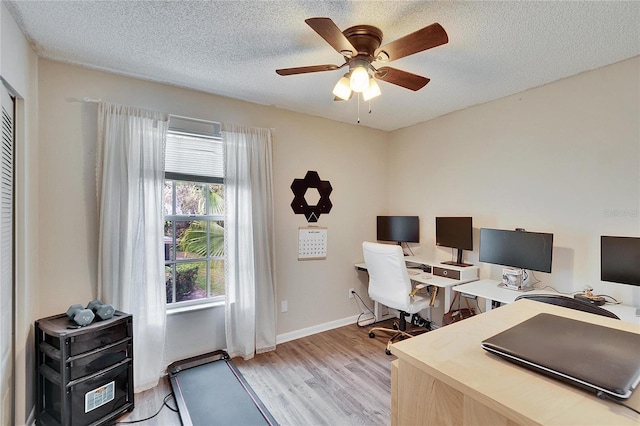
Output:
x,y
422,267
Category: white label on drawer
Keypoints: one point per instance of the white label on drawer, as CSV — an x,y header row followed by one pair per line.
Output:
x,y
99,396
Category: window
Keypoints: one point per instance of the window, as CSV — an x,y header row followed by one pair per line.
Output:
x,y
193,217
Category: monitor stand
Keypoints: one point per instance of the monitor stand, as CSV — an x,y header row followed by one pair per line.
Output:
x,y
461,264
408,248
458,261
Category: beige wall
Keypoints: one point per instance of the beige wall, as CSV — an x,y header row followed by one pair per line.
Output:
x,y
562,158
351,157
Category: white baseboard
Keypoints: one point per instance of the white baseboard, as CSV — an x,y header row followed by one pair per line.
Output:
x,y
293,335
365,319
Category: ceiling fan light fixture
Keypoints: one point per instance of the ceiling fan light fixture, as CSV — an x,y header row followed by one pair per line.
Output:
x,y
360,45
372,91
359,79
342,88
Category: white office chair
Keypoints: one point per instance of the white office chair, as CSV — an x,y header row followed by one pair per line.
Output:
x,y
389,284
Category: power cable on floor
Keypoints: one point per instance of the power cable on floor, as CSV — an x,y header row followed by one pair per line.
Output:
x,y
164,404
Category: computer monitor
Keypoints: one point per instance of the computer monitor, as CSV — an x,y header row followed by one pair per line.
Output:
x,y
399,229
620,260
457,233
517,249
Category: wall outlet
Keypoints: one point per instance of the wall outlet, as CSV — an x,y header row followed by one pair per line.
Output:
x,y
351,293
284,306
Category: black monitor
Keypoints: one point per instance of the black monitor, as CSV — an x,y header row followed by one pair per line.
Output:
x,y
620,260
457,233
518,249
399,229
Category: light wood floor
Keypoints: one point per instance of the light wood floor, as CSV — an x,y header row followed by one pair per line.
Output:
x,y
339,377
148,403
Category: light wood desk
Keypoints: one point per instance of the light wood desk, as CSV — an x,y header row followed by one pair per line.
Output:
x,y
444,377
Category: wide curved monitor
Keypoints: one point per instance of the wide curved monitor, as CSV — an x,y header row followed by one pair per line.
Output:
x,y
517,249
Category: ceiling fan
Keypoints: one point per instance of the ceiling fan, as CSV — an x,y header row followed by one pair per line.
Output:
x,y
360,47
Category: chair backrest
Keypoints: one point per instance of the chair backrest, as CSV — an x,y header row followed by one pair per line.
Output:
x,y
389,281
568,302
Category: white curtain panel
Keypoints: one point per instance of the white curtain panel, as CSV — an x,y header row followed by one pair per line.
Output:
x,y
250,314
130,176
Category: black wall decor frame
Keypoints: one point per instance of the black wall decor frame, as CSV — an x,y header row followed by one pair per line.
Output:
x,y
300,204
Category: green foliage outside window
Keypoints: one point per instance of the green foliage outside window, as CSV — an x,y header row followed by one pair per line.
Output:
x,y
195,224
186,276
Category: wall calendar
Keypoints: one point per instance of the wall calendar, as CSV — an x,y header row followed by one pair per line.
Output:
x,y
312,243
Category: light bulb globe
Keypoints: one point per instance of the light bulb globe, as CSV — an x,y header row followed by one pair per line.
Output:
x,y
359,79
372,91
342,89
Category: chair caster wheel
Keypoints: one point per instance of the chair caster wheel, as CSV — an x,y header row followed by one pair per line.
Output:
x,y
372,335
387,351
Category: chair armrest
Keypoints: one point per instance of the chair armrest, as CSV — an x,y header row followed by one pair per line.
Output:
x,y
416,289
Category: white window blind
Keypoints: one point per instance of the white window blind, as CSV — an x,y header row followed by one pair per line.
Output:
x,y
193,148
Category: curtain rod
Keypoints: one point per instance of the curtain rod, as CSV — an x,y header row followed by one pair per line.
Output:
x,y
204,121
88,99
199,120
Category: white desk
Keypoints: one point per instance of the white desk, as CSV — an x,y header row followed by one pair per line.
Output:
x,y
429,279
490,291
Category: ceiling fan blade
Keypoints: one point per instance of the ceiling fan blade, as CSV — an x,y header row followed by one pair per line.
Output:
x,y
304,70
426,38
328,30
401,78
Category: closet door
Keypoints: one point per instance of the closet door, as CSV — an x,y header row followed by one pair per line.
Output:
x,y
6,261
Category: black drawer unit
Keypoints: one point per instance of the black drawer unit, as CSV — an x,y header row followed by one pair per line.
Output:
x,y
84,375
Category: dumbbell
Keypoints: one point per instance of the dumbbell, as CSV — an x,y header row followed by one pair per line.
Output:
x,y
80,315
101,310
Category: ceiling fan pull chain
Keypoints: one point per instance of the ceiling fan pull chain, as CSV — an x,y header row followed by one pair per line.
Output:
x,y
358,108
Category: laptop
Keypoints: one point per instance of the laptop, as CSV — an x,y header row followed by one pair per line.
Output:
x,y
590,356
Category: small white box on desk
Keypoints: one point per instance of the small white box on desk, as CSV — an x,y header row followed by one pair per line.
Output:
x,y
515,279
460,273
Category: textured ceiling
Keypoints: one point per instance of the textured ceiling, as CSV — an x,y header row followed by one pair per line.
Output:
x,y
232,48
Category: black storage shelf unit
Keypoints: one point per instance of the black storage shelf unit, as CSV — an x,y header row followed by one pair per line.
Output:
x,y
84,375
